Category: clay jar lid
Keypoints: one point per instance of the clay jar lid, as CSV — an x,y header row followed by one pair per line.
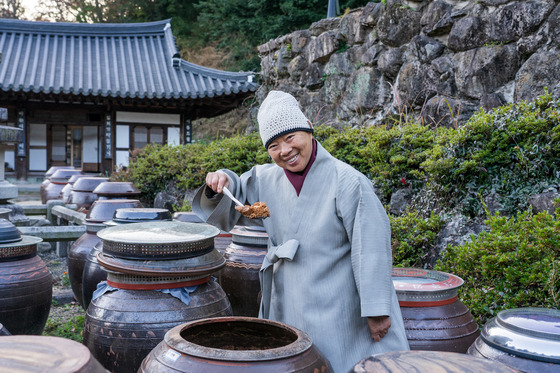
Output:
x,y
114,189
74,178
414,285
53,169
8,232
138,215
532,333
13,245
194,267
428,361
158,239
252,236
26,353
63,175
103,210
88,184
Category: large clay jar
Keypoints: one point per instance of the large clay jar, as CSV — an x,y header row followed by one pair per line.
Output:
x,y
93,272
158,276
527,339
25,282
65,192
47,181
57,182
428,362
113,190
24,353
235,344
240,277
434,317
100,212
82,192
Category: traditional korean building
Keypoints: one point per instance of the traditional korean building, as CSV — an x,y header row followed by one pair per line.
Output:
x,y
88,94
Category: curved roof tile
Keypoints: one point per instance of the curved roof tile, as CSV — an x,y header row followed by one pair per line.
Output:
x,y
128,60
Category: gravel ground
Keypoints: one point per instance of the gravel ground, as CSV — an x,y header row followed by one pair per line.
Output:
x,y
64,307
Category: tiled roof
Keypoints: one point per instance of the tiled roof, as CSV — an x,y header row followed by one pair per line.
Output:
x,y
133,60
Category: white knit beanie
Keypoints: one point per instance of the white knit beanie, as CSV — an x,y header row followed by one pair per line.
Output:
x,y
280,114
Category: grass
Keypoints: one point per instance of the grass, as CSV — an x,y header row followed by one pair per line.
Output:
x,y
60,325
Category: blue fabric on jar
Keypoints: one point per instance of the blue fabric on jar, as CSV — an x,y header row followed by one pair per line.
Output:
x,y
183,294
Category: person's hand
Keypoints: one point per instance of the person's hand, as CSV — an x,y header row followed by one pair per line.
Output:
x,y
217,181
378,326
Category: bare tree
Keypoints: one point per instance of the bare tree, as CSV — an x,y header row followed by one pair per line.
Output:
x,y
93,11
11,9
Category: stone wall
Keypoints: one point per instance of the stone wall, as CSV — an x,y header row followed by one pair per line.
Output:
x,y
437,60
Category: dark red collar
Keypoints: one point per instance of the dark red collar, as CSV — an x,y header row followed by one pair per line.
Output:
x,y
297,178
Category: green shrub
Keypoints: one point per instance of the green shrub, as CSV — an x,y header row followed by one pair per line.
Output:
x,y
391,158
413,239
515,264
513,151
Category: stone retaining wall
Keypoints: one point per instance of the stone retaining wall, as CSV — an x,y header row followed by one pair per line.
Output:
x,y
436,60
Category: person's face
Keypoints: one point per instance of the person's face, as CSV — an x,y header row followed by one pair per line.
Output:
x,y
292,151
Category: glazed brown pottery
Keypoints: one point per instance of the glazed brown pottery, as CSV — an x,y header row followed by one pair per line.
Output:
x,y
112,190
434,318
240,277
99,212
30,354
57,182
93,273
235,344
47,181
160,276
428,362
25,282
527,339
82,191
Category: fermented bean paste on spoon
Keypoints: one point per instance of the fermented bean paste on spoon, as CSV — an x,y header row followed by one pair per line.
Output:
x,y
255,211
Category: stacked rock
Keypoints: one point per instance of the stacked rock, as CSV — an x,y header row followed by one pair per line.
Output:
x,y
158,277
93,272
100,212
25,282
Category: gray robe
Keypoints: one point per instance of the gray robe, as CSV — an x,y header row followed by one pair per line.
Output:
x,y
329,259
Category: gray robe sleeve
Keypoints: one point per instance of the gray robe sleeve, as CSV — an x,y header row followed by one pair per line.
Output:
x,y
219,210
369,232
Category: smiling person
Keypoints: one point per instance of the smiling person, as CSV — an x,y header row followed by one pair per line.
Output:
x,y
328,266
